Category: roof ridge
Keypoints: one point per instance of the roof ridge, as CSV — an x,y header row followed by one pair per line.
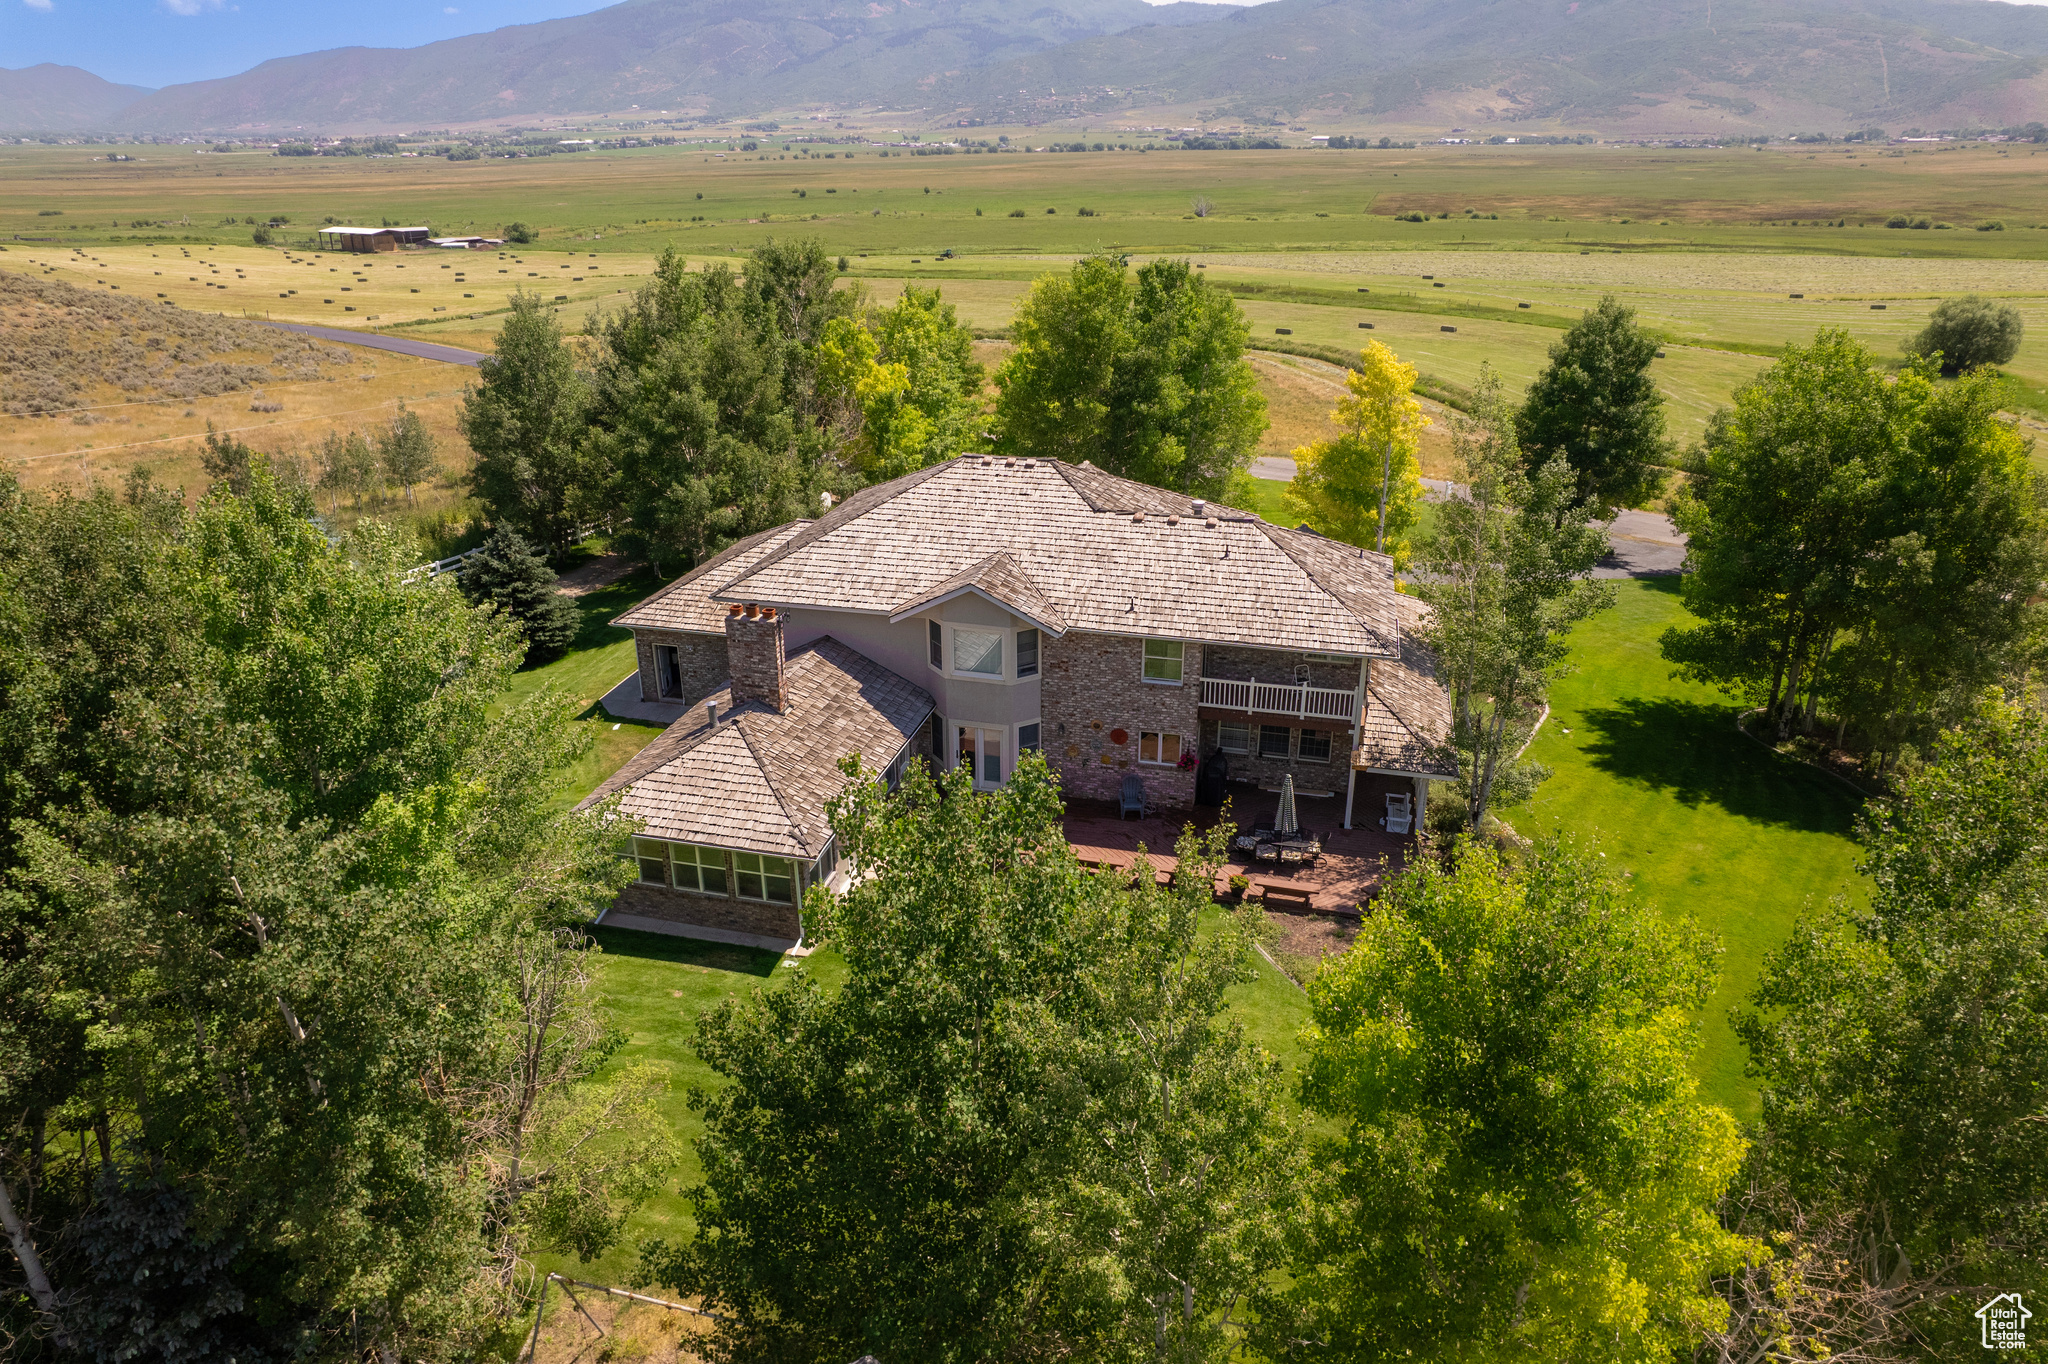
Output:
x,y
767,769
850,508
731,551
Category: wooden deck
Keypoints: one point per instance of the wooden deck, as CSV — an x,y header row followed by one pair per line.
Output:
x,y
1343,881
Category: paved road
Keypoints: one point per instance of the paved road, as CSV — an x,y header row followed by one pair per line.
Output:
x,y
424,350
1643,544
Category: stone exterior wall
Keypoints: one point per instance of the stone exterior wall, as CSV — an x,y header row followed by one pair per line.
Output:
x,y
1268,665
709,911
1091,686
1308,776
701,658
755,653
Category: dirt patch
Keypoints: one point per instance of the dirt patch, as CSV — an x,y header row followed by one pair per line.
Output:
x,y
631,1332
1303,942
598,573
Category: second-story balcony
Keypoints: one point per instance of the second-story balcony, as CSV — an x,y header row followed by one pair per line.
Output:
x,y
1281,698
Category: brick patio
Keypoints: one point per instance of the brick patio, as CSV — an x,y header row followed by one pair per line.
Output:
x,y
1345,877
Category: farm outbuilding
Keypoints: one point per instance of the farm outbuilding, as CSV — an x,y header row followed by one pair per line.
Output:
x,y
465,243
372,238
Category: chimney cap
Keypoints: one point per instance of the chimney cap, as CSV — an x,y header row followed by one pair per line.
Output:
x,y
753,610
767,613
733,609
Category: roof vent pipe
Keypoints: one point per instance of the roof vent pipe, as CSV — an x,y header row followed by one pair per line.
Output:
x,y
1201,506
711,713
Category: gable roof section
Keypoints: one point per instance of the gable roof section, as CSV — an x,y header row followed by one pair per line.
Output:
x,y
1407,715
686,603
1002,581
759,781
1073,536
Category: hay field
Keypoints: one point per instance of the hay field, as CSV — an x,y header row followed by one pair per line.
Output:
x,y
633,200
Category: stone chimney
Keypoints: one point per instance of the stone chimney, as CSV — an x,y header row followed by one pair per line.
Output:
x,y
754,654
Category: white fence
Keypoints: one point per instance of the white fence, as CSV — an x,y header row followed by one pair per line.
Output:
x,y
453,563
1281,698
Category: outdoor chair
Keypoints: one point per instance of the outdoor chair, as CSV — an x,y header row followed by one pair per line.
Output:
x,y
1400,816
1132,797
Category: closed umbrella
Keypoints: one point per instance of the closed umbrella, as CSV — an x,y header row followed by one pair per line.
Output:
x,y
1284,823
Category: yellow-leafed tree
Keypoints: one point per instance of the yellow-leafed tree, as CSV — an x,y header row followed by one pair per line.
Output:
x,y
1364,486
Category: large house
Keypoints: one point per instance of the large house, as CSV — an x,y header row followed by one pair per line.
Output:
x,y
972,611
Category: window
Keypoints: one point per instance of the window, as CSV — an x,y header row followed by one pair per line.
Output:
x,y
1027,653
1162,749
1027,738
652,855
1234,736
1273,741
765,878
1315,745
1163,660
977,651
700,869
938,646
828,862
981,753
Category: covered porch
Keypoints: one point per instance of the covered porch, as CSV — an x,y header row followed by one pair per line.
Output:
x,y
1342,881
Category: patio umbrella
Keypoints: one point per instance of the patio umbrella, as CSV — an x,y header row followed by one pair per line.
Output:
x,y
1284,823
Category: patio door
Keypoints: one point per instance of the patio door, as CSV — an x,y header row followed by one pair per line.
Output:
x,y
981,752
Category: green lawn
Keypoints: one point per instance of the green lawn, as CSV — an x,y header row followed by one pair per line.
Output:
x,y
1701,819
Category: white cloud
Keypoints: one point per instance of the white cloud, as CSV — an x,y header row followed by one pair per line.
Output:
x,y
44,5
190,7
450,9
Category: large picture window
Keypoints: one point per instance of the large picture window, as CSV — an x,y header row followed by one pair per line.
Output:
x,y
1163,658
1159,749
977,652
698,869
765,878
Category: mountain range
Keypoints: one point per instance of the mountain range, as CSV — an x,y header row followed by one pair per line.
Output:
x,y
1674,66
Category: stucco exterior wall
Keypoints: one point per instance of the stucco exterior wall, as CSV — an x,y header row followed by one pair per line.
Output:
x,y
1093,685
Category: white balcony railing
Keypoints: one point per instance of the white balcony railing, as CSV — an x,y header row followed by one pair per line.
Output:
x,y
1281,698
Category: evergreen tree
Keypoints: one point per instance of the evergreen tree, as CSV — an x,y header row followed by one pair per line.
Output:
x,y
1597,405
524,420
691,419
513,576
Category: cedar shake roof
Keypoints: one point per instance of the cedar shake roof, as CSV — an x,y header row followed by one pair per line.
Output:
x,y
686,604
759,781
1068,540
998,578
1407,713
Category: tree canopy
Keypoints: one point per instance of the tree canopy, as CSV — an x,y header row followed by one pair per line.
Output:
x,y
1863,542
1596,405
1144,376
1021,1128
1523,1167
1967,332
1365,486
524,421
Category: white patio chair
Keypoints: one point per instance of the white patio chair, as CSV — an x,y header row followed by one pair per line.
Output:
x,y
1400,812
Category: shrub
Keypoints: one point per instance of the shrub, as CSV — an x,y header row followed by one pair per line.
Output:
x,y
1016,213
1991,225
1898,220
522,234
1084,212
261,236
1968,332
1411,217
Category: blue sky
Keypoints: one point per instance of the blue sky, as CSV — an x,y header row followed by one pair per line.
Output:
x,y
162,42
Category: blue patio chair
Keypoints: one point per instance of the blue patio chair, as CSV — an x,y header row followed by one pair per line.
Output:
x,y
1132,796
